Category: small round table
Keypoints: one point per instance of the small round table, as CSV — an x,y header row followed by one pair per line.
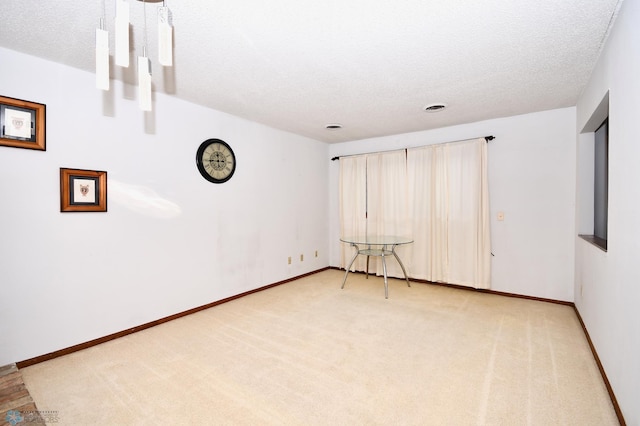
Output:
x,y
382,246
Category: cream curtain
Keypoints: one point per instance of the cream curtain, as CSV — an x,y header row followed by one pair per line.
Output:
x,y
387,203
449,205
353,205
436,194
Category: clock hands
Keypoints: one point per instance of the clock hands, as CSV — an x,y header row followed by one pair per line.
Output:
x,y
217,161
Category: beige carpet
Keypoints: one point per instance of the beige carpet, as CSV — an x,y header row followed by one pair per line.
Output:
x,y
309,353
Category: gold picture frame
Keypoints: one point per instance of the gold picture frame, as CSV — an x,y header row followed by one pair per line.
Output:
x,y
83,190
22,124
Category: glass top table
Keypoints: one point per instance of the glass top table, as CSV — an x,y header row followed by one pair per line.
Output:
x,y
378,245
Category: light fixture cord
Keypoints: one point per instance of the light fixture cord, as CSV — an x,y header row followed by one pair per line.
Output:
x,y
144,15
104,15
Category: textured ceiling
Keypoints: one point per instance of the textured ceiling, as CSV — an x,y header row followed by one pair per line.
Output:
x,y
371,66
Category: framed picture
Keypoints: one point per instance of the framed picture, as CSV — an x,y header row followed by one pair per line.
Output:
x,y
83,190
22,124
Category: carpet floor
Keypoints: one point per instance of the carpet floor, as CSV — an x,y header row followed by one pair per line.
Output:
x,y
308,353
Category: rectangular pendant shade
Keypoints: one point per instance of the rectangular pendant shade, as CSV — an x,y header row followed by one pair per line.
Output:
x,y
102,59
122,33
144,83
165,37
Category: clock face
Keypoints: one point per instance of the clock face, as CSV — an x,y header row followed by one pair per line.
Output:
x,y
216,160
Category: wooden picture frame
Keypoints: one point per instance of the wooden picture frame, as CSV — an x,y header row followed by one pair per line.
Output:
x,y
83,190
22,124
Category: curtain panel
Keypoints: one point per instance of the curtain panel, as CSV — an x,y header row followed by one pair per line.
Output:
x,y
387,203
449,207
353,205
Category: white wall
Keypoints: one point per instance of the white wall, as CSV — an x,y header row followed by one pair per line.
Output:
x,y
170,240
608,283
531,180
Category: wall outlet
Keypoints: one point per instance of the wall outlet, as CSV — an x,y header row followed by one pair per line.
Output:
x,y
316,253
289,260
301,257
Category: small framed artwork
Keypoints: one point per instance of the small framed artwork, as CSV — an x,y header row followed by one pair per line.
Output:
x,y
83,190
22,124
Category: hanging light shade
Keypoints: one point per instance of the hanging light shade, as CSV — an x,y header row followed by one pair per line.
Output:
x,y
144,82
165,37
122,33
102,57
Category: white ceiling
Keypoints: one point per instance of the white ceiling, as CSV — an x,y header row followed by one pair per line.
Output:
x,y
371,65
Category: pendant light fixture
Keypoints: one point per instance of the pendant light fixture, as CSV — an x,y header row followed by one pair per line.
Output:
x,y
165,36
122,33
144,69
102,57
122,47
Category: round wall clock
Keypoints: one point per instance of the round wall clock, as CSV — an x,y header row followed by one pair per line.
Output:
x,y
216,160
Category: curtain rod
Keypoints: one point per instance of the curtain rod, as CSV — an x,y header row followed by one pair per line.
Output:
x,y
487,138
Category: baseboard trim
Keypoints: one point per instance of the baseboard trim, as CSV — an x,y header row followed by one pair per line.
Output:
x,y
94,342
478,290
614,401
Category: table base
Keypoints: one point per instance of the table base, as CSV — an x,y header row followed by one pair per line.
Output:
x,y
383,252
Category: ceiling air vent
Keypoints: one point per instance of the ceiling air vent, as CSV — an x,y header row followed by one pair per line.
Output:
x,y
435,107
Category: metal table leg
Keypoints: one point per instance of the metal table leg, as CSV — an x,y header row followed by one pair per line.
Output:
x,y
367,271
393,250
350,264
384,270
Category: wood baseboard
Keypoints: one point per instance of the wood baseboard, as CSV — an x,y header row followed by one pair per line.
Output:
x,y
94,342
614,401
480,290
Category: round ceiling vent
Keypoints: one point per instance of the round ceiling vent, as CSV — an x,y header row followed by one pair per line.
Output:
x,y
435,107
333,126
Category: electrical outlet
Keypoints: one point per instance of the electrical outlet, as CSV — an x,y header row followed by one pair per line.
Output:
x,y
289,260
301,257
316,253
